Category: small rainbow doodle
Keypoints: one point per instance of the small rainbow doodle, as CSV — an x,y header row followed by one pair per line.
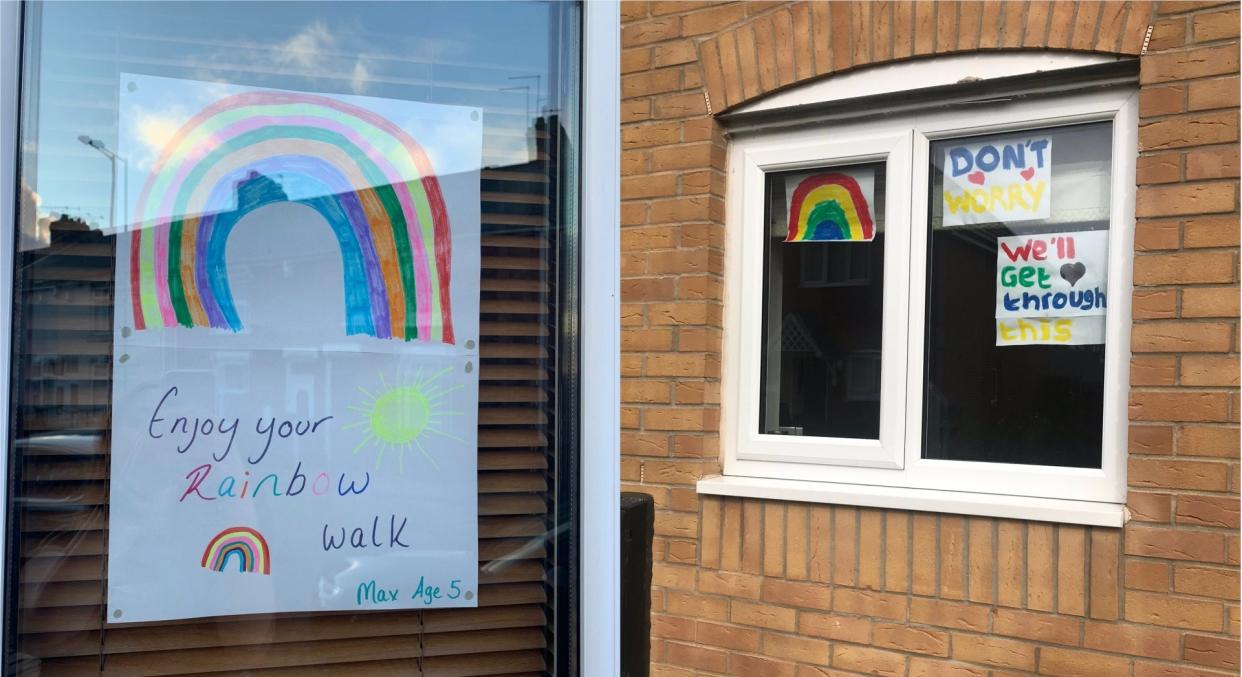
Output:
x,y
829,207
243,544
373,183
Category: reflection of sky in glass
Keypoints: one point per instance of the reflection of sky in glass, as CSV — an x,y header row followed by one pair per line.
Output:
x,y
495,56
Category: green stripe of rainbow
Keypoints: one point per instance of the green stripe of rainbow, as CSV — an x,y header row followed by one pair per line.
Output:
x,y
378,192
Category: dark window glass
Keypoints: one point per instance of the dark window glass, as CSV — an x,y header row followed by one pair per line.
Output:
x,y
823,303
998,387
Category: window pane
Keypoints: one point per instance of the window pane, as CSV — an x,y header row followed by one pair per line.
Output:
x,y
823,302
382,157
1016,295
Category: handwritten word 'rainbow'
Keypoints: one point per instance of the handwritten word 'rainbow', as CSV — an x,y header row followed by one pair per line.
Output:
x,y
829,207
243,544
370,180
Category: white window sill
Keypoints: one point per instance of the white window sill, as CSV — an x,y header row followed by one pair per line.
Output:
x,y
927,500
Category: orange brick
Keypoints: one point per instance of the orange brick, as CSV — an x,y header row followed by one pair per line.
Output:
x,y
1168,34
1178,406
1192,129
1212,163
1208,511
1154,304
870,549
1194,198
804,595
653,30
672,627
726,636
819,565
673,53
757,665
868,603
774,539
1151,168
800,649
896,551
845,541
1071,570
949,614
1172,543
1077,663
1147,575
1174,612
691,656
1050,628
1151,439
925,667
1164,100
1157,234
1169,473
711,20
924,558
1205,581
1208,441
1218,25
752,550
650,82
1136,640
830,626
762,615
1189,64
1040,569
1209,370
952,557
870,661
796,530
1215,652
907,638
1153,370
1150,507
994,651
697,606
1183,268
1210,302
1215,93
1211,231
1010,562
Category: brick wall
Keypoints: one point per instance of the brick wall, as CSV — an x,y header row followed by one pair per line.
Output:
x,y
748,587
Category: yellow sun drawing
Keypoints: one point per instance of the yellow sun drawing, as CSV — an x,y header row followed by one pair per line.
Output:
x,y
399,417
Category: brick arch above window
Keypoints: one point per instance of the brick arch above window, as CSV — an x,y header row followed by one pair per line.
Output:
x,y
792,45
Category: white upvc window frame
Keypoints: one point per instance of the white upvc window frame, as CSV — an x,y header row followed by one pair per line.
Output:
x,y
756,160
829,470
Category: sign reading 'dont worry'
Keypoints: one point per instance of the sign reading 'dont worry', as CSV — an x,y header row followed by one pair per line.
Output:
x,y
1051,289
1001,181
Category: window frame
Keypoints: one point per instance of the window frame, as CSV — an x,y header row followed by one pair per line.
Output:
x,y
757,160
1085,495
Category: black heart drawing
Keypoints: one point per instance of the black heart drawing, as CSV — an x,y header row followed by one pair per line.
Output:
x,y
1073,272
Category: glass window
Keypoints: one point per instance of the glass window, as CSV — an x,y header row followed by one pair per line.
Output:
x,y
191,174
1016,296
823,302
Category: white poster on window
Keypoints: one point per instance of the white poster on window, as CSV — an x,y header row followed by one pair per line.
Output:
x,y
295,367
999,181
1051,288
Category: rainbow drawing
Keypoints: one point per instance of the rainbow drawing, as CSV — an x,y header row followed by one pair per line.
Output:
x,y
829,207
371,181
243,544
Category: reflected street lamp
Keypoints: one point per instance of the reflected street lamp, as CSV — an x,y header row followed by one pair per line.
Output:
x,y
113,157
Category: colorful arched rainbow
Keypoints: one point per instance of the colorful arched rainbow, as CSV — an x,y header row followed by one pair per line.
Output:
x,y
373,184
241,544
829,207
